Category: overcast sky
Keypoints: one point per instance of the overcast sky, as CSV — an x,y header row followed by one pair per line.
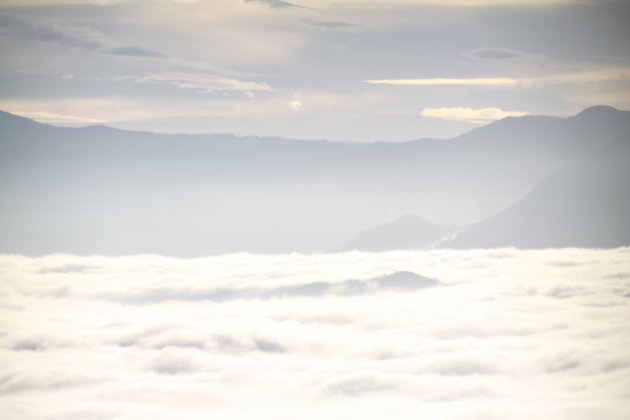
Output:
x,y
351,70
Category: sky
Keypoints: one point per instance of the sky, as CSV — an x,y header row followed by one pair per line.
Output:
x,y
535,334
353,70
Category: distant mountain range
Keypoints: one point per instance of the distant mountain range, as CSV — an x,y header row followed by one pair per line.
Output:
x,y
584,205
531,181
587,205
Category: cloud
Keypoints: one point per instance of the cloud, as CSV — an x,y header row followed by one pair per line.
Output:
x,y
581,77
51,118
471,3
134,52
66,35
70,36
397,282
11,384
360,386
315,3
173,361
482,345
494,54
204,83
295,105
275,4
480,115
328,25
486,3
488,81
224,110
69,268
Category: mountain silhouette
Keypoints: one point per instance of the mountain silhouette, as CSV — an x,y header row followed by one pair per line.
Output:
x,y
582,206
100,190
407,232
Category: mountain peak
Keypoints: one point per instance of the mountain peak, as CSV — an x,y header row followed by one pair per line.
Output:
x,y
598,110
12,123
407,232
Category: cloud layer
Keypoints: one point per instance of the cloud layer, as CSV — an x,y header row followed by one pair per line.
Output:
x,y
502,334
482,115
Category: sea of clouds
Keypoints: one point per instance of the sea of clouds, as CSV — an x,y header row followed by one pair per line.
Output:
x,y
501,334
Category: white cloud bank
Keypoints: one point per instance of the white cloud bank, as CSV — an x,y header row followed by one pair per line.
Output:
x,y
480,116
505,334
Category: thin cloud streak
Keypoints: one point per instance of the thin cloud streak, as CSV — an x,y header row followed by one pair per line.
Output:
x,y
133,51
498,81
205,83
593,76
47,117
477,116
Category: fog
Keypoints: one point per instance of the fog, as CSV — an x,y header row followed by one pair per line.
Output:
x,y
476,334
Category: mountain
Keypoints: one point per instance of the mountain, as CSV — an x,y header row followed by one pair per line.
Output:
x,y
99,190
408,232
587,205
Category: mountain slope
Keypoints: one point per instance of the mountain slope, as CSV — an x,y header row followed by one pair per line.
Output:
x,y
587,205
408,232
107,191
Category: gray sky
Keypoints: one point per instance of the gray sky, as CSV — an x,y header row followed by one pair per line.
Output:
x,y
342,70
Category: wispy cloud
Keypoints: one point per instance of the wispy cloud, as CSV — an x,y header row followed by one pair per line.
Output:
x,y
295,105
328,25
489,81
463,3
275,4
494,54
47,117
480,115
588,76
205,83
133,52
70,36
73,36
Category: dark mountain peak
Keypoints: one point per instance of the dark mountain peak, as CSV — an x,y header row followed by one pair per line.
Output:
x,y
602,116
599,110
8,118
12,125
407,232
104,130
405,280
509,127
99,127
584,205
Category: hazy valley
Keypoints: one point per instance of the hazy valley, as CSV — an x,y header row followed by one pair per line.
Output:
x,y
531,182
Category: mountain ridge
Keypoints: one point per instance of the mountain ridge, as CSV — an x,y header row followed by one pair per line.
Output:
x,y
406,232
95,190
599,110
586,205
